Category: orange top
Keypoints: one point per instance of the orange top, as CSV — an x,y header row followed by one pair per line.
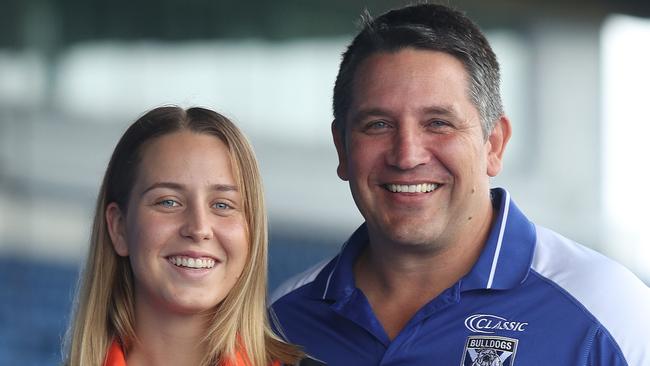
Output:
x,y
115,357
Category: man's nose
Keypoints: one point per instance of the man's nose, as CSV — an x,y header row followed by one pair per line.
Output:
x,y
409,148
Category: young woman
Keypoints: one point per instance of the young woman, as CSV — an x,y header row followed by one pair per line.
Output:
x,y
176,272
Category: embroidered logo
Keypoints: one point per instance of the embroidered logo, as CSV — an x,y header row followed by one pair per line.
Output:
x,y
489,351
488,324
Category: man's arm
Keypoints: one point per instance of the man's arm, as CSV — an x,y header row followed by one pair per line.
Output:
x,y
605,351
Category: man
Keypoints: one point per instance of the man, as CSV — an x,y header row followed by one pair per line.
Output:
x,y
445,271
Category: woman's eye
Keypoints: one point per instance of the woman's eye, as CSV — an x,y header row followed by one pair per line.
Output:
x,y
221,206
168,203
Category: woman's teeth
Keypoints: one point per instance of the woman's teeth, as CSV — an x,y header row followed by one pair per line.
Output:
x,y
188,262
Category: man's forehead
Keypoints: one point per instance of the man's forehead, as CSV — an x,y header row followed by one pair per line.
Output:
x,y
414,65
388,54
423,81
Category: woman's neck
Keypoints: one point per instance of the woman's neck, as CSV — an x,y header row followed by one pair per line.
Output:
x,y
167,338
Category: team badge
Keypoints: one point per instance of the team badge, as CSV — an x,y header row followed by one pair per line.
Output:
x,y
489,351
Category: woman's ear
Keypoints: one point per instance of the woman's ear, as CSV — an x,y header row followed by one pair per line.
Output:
x,y
116,223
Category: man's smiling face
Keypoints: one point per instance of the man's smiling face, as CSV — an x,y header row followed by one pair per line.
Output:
x,y
414,151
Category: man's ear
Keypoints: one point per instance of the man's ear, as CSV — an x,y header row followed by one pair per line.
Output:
x,y
497,141
339,143
116,223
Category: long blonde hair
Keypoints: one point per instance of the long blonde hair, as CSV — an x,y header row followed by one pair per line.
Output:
x,y
104,307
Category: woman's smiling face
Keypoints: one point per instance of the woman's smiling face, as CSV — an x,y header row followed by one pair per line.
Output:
x,y
184,231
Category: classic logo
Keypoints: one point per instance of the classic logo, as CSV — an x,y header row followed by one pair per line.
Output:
x,y
488,324
489,351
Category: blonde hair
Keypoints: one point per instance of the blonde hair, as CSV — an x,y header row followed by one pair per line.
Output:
x,y
104,308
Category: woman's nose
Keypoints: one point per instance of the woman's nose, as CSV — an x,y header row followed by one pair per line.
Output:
x,y
197,225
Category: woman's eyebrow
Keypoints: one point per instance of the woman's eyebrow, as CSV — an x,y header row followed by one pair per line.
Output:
x,y
224,187
170,185
181,187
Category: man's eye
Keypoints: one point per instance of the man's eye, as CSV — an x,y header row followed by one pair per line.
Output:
x,y
438,123
378,124
168,203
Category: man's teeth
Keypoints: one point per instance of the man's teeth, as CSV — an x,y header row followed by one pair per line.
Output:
x,y
412,188
192,262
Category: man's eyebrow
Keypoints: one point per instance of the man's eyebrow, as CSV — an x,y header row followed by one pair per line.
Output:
x,y
181,187
440,110
443,110
369,112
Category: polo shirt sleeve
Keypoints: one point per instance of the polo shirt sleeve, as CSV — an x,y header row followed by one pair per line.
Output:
x,y
604,351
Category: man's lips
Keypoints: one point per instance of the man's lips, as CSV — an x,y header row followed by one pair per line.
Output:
x,y
411,188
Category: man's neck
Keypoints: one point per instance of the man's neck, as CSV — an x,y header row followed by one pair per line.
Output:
x,y
410,277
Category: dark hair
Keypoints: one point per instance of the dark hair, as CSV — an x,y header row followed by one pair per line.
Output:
x,y
426,27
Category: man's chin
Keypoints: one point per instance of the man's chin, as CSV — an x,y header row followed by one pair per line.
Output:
x,y
413,237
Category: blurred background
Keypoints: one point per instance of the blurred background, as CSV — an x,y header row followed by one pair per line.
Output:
x,y
74,74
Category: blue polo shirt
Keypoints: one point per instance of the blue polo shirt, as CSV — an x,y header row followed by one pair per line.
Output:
x,y
532,298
